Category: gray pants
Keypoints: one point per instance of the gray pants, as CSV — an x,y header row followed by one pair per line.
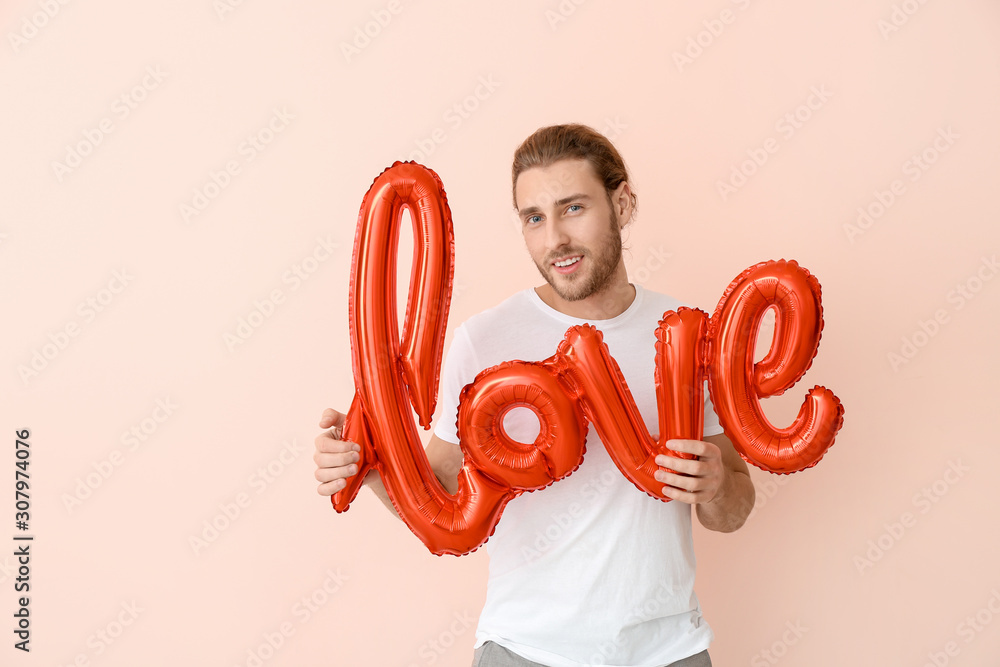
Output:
x,y
494,655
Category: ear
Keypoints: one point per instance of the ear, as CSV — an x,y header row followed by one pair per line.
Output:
x,y
621,199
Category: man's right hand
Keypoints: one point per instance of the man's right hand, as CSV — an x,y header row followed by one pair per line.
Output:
x,y
336,459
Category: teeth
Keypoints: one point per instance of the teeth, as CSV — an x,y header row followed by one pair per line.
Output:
x,y
567,262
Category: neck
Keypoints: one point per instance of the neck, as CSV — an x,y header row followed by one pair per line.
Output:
x,y
610,302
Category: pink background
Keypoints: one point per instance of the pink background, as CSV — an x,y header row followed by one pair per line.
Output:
x,y
826,551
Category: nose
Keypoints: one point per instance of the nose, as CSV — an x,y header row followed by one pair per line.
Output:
x,y
555,234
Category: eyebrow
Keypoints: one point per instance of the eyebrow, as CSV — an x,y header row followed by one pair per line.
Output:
x,y
565,200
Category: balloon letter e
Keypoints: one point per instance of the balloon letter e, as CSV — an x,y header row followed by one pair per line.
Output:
x,y
736,384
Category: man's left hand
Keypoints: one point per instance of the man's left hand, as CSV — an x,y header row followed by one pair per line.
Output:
x,y
693,481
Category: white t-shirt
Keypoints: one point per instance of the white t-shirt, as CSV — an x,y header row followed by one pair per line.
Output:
x,y
590,570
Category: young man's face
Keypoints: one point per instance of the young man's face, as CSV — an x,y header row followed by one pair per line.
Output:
x,y
569,227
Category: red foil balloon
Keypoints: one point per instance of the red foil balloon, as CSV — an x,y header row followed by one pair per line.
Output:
x,y
580,381
583,379
556,451
609,404
736,384
391,375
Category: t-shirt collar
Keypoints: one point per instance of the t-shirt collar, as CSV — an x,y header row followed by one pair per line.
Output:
x,y
600,324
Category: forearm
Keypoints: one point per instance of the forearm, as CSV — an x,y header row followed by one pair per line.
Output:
x,y
731,505
374,482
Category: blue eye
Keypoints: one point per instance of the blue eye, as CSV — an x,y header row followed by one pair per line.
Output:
x,y
532,218
572,206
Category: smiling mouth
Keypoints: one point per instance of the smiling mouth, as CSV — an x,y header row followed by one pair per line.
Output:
x,y
570,261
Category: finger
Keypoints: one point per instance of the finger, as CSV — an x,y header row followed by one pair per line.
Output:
x,y
686,466
335,433
335,460
331,474
682,482
696,447
330,488
329,443
331,418
678,494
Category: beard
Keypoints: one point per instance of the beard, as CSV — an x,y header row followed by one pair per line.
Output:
x,y
603,263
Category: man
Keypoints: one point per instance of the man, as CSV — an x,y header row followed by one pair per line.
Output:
x,y
589,571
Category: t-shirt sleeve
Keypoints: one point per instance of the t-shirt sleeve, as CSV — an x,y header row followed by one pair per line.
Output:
x,y
712,425
459,369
